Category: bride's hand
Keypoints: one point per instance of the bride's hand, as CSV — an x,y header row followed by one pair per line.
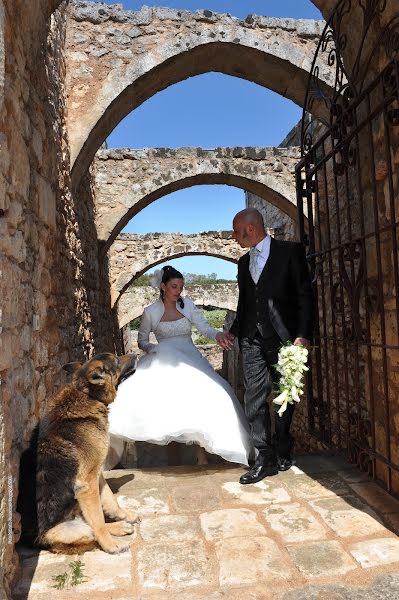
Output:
x,y
225,340
152,349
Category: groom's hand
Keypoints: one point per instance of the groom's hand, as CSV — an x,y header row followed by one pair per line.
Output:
x,y
225,340
302,342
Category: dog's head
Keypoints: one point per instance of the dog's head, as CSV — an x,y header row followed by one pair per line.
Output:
x,y
99,377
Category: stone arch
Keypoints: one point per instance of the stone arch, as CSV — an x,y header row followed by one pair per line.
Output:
x,y
220,295
132,255
109,76
126,181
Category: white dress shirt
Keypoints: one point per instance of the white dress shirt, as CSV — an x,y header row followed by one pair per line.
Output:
x,y
264,250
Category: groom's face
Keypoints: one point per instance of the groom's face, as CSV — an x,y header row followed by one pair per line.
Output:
x,y
242,233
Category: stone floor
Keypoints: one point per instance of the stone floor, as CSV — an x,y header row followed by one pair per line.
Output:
x,y
319,531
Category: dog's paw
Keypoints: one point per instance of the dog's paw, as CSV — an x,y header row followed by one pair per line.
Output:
x,y
113,546
120,528
131,517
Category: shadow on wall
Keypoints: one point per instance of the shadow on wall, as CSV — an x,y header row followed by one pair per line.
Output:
x,y
95,277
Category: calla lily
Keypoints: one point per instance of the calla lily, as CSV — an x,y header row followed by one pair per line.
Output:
x,y
281,398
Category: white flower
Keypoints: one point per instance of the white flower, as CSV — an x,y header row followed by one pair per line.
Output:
x,y
156,279
291,365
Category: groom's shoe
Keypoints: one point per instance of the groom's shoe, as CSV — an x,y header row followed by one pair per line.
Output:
x,y
265,465
257,473
284,464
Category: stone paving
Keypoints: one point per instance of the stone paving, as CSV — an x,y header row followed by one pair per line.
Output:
x,y
320,531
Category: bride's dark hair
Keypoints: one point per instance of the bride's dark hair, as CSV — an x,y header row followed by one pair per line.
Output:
x,y
168,274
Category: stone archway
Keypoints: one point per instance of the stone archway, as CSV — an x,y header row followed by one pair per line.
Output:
x,y
132,255
218,295
126,181
115,62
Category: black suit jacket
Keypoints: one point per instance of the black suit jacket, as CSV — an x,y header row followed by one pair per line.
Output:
x,y
285,281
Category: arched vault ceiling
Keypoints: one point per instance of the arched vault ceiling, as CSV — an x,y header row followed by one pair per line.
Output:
x,y
117,59
126,181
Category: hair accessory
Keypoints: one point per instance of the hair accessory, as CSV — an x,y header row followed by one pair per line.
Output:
x,y
156,279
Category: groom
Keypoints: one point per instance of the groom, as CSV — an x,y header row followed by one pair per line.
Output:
x,y
275,305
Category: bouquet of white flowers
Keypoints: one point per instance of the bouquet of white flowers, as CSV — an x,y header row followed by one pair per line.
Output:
x,y
291,365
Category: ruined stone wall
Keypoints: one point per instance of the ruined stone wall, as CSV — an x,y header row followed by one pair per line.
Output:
x,y
118,59
284,227
46,308
218,295
126,181
34,241
133,254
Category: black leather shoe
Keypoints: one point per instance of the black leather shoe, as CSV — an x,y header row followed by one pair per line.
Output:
x,y
284,464
259,472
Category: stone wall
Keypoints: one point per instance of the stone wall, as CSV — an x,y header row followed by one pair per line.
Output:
x,y
284,227
47,311
37,312
217,295
133,254
126,181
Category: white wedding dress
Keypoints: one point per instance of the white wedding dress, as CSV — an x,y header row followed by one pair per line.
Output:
x,y
175,395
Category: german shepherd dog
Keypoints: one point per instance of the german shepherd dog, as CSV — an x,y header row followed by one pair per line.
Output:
x,y
63,495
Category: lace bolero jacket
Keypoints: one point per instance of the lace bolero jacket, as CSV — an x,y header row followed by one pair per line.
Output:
x,y
152,315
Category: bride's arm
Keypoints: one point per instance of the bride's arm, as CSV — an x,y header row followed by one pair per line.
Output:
x,y
144,334
198,319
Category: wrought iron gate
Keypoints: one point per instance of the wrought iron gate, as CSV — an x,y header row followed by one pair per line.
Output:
x,y
348,209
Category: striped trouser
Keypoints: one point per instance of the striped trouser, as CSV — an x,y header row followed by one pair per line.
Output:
x,y
258,356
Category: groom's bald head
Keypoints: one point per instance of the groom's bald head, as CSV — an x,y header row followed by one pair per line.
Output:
x,y
248,227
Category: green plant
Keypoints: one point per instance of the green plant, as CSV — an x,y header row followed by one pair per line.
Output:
x,y
135,324
201,340
215,317
75,576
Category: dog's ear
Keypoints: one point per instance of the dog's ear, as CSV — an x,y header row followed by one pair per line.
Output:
x,y
128,364
127,361
72,367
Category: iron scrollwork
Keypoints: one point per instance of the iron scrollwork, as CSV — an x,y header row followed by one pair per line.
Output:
x,y
354,254
359,451
337,96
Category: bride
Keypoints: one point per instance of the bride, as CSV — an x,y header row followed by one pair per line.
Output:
x,y
175,394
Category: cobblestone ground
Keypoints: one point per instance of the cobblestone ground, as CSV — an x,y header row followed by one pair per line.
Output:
x,y
319,531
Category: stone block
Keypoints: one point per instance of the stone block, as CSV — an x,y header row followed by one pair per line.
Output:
x,y
174,528
321,559
174,566
190,499
374,553
376,497
347,516
230,523
294,523
146,502
307,488
251,561
263,492
46,202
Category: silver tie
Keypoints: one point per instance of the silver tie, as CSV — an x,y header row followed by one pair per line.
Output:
x,y
253,264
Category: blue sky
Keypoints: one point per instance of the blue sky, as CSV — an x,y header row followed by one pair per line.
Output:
x,y
208,110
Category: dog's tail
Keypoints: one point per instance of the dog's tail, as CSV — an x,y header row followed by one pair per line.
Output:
x,y
60,548
73,536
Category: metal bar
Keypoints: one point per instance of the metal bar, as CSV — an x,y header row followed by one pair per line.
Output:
x,y
326,384
367,314
380,290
